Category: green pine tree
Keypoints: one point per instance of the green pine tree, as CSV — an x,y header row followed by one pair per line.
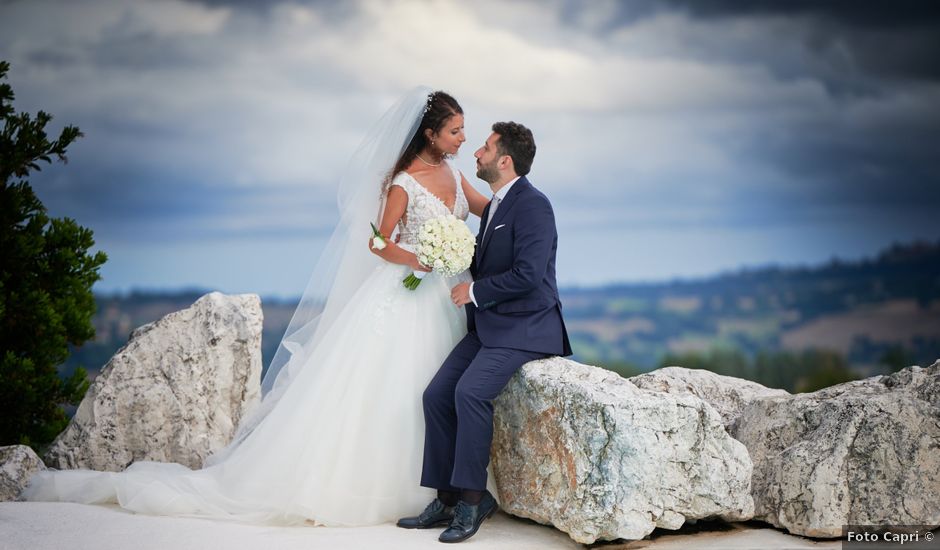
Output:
x,y
46,277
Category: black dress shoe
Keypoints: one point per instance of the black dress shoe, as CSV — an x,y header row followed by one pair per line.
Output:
x,y
434,515
468,518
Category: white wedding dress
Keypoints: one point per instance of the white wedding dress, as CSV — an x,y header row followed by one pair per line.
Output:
x,y
344,443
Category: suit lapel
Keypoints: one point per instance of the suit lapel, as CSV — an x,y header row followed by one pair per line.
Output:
x,y
502,211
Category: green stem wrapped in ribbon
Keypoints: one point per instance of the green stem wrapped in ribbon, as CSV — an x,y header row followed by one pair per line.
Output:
x,y
412,281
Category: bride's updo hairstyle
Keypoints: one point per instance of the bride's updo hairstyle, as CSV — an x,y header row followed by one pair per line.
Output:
x,y
440,107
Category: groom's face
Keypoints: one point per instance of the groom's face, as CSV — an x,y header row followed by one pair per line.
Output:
x,y
488,159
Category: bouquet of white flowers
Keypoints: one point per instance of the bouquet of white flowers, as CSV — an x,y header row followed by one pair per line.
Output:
x,y
445,244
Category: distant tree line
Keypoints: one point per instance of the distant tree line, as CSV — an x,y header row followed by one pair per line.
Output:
x,y
800,372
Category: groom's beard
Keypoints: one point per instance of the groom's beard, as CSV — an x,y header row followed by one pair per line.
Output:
x,y
488,172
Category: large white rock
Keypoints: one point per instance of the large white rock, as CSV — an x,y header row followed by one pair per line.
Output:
x,y
864,452
174,393
585,450
727,394
17,464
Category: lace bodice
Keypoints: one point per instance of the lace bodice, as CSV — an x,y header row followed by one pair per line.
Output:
x,y
424,205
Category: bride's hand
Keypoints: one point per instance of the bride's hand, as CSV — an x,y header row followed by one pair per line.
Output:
x,y
418,266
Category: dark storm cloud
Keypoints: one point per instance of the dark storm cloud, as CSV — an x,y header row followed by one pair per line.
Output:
x,y
850,44
55,59
702,126
326,8
148,50
129,203
901,14
241,4
879,64
892,40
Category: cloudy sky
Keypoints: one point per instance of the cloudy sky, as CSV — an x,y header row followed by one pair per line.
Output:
x,y
675,138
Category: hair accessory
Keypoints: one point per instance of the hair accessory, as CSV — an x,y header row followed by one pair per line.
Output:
x,y
427,106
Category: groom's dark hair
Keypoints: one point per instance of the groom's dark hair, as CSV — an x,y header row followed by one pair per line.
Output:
x,y
516,141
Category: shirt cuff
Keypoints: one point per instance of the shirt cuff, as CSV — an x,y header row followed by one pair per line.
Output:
x,y
472,297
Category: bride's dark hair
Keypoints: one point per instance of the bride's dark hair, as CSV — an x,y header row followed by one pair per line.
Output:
x,y
440,107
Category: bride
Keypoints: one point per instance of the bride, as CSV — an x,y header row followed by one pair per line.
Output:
x,y
338,436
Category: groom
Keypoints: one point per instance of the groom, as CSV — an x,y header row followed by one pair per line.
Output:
x,y
513,317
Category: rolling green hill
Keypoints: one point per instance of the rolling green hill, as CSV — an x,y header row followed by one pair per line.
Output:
x,y
862,310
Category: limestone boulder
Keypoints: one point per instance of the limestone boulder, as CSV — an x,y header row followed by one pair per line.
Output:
x,y
864,452
174,393
727,394
592,454
17,464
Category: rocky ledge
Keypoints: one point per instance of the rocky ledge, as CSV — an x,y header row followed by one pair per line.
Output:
x,y
860,453
589,452
601,457
597,456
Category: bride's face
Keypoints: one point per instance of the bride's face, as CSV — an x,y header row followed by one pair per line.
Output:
x,y
451,136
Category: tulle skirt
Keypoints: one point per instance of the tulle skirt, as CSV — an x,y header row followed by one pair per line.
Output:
x,y
344,444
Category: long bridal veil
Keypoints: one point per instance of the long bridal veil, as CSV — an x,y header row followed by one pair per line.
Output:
x,y
281,466
337,437
345,261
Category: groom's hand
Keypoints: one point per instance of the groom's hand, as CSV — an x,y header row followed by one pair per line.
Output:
x,y
460,294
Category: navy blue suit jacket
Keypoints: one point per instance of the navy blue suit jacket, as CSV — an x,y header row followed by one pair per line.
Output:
x,y
514,276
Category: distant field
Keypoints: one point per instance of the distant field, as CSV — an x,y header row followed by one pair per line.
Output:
x,y
895,321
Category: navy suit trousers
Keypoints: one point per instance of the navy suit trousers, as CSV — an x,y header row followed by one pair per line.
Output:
x,y
458,413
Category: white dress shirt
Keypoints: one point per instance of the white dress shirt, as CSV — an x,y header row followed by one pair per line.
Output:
x,y
498,197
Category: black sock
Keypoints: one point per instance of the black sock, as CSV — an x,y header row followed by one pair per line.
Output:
x,y
449,498
471,497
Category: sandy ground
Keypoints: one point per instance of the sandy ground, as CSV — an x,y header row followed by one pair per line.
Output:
x,y
54,525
